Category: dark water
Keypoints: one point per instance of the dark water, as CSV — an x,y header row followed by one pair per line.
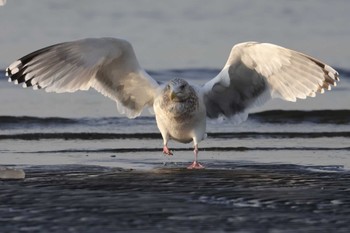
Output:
x,y
284,170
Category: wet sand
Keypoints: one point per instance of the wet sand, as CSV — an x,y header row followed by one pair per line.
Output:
x,y
236,197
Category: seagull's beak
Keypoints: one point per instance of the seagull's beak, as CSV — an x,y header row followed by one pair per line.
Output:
x,y
172,95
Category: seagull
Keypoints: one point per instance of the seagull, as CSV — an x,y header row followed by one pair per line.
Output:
x,y
253,74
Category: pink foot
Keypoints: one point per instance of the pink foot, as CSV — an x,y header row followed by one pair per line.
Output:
x,y
195,165
167,151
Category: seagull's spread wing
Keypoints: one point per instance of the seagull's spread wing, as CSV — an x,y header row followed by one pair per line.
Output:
x,y
108,65
256,72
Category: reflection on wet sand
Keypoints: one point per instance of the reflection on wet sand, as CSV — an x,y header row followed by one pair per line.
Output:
x,y
248,198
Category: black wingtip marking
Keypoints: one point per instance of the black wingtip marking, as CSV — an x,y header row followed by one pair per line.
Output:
x,y
330,75
22,63
8,72
28,83
320,64
27,58
19,76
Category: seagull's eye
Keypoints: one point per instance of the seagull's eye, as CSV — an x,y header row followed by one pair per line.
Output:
x,y
182,86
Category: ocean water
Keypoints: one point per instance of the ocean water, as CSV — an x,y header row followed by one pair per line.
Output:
x,y
179,34
89,169
56,122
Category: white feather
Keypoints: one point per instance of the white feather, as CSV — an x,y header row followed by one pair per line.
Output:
x,y
258,72
106,64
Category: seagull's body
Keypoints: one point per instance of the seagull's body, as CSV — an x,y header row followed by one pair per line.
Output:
x,y
253,74
180,115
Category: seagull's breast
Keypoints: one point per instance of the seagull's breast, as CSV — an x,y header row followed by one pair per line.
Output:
x,y
181,120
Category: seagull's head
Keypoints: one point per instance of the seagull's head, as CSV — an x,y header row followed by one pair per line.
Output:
x,y
178,90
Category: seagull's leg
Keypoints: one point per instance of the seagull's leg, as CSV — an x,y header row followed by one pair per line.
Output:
x,y
195,164
166,150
